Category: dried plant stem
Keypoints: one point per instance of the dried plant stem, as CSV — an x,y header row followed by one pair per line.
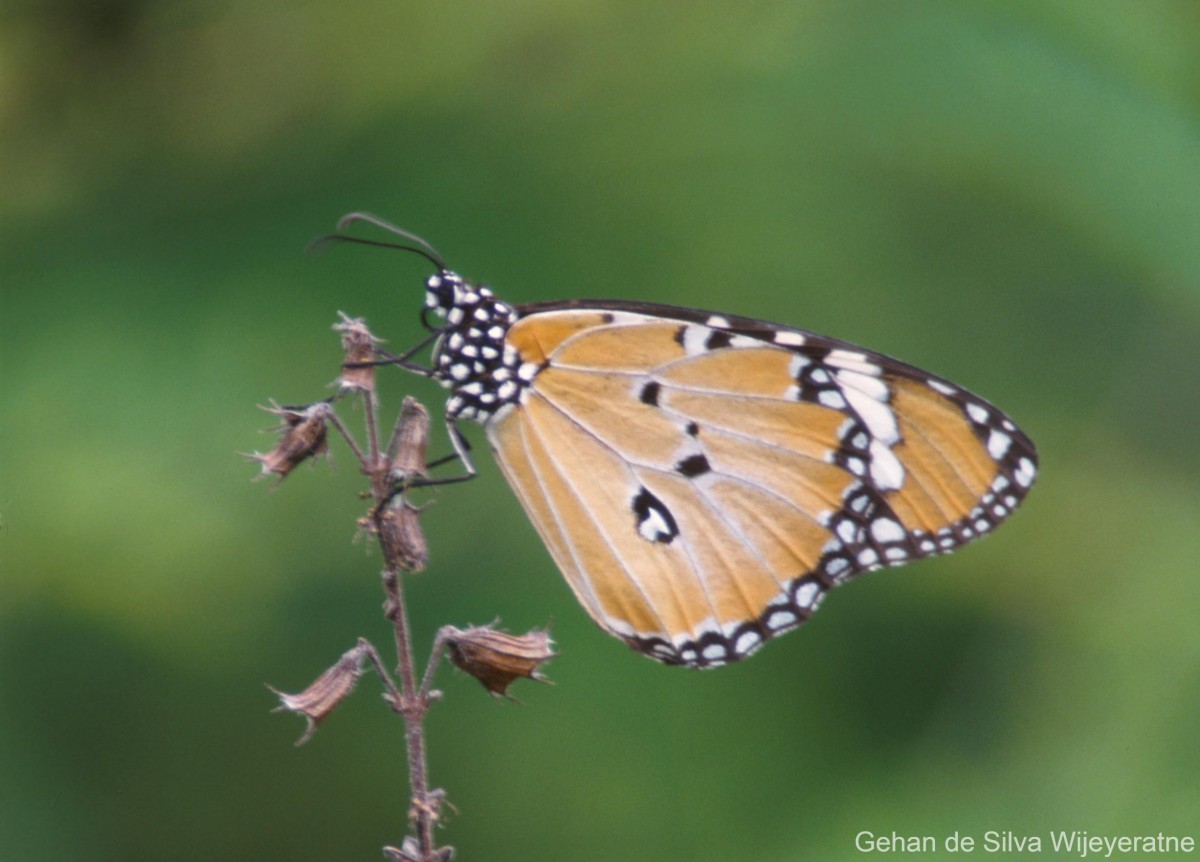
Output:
x,y
412,703
377,663
372,435
336,422
412,706
409,701
493,657
435,658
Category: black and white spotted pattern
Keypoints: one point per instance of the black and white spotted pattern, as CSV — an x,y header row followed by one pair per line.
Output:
x,y
719,645
471,357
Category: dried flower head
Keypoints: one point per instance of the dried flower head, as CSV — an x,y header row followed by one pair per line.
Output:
x,y
410,851
358,344
410,441
303,435
401,537
327,691
496,658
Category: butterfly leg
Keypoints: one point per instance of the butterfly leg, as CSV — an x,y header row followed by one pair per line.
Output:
x,y
461,450
446,459
402,360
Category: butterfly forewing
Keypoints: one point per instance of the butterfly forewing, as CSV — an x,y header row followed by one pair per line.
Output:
x,y
702,480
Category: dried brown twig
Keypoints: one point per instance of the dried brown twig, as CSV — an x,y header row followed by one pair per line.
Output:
x,y
494,657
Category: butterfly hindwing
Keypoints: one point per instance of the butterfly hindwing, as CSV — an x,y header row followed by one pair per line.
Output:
x,y
702,480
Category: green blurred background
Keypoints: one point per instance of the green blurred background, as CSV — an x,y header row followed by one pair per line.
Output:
x,y
1005,193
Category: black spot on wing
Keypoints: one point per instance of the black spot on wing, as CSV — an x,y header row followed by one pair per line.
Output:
x,y
692,466
717,339
649,394
655,523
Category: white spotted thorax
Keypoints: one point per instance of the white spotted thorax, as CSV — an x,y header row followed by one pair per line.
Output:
x,y
471,359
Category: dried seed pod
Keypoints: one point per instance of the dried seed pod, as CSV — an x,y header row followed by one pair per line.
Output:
x,y
497,658
410,441
410,851
358,344
327,691
304,432
401,537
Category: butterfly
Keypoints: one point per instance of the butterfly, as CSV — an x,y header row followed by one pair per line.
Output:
x,y
702,480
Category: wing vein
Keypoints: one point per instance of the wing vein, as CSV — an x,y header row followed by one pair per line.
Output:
x,y
562,529
626,570
630,474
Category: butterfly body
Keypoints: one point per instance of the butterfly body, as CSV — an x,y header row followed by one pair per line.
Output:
x,y
702,480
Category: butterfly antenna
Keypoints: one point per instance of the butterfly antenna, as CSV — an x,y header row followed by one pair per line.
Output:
x,y
419,245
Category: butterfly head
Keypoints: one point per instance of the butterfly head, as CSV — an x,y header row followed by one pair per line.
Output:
x,y
471,357
446,290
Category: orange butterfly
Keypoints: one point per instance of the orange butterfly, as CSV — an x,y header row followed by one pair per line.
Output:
x,y
702,480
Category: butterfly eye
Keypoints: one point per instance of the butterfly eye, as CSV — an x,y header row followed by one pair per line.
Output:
x,y
441,291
